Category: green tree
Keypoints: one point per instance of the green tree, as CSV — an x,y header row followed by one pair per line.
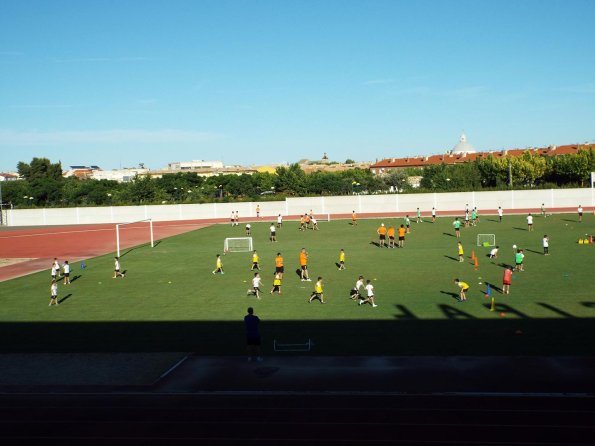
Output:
x,y
44,178
397,179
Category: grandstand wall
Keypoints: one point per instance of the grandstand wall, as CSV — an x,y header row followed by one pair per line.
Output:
x,y
449,203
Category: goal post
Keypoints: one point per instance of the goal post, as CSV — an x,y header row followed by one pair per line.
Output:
x,y
128,226
487,240
238,244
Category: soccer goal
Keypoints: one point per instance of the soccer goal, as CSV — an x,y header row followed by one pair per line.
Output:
x,y
486,240
238,244
134,233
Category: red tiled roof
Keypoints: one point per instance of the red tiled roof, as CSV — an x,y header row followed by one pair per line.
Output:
x,y
422,161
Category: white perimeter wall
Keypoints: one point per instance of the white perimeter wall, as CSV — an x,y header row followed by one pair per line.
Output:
x,y
363,204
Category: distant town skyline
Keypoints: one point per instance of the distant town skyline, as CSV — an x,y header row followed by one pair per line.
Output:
x,y
265,82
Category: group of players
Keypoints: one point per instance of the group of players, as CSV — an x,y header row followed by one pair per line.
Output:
x,y
364,294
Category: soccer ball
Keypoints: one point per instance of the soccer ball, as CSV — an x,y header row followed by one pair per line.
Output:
x,y
513,246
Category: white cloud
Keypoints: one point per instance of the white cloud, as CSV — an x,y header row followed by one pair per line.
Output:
x,y
113,136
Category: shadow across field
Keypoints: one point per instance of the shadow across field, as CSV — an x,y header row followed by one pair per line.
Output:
x,y
458,332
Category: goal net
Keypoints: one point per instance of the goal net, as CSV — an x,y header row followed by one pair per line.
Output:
x,y
486,240
238,244
133,234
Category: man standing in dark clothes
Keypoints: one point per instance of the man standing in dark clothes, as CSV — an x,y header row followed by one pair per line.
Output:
x,y
252,335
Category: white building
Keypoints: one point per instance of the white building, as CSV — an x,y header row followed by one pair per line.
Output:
x,y
119,175
194,165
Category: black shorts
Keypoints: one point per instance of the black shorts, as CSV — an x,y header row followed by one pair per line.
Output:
x,y
279,269
252,340
276,288
580,214
401,238
391,237
304,267
382,237
66,274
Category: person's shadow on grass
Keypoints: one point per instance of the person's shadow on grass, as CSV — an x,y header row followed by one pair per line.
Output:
x,y
533,251
75,278
493,287
375,244
451,258
520,229
449,234
65,298
455,296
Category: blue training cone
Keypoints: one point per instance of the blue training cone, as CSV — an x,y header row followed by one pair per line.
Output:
x,y
83,265
489,290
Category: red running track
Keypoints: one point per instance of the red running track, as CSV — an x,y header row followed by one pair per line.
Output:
x,y
75,243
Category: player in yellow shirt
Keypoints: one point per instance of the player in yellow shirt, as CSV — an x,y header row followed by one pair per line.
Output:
x,y
461,252
255,260
353,219
463,287
318,293
342,259
218,266
276,283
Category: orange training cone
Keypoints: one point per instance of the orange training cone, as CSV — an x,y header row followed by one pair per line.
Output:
x,y
472,254
476,266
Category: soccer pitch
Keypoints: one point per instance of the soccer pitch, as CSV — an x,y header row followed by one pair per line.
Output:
x,y
171,301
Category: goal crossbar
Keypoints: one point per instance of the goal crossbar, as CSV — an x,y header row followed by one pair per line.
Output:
x,y
146,220
238,244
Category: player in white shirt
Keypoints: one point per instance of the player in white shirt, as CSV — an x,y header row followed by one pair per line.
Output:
x,y
500,213
546,245
248,229
255,286
117,272
494,252
529,222
433,215
355,292
273,230
279,220
370,295
54,293
580,213
55,269
66,269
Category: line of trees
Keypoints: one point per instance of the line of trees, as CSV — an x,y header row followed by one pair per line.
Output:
x,y
42,183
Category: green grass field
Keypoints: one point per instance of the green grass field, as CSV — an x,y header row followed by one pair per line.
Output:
x,y
170,300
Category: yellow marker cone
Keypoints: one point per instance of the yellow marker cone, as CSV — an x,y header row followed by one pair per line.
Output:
x,y
493,307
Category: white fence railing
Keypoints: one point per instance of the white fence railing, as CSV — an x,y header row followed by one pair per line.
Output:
x,y
363,204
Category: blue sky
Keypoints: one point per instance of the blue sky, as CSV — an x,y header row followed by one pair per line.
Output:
x,y
115,83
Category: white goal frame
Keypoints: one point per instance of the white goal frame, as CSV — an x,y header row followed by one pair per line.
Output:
x,y
491,238
248,248
149,220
